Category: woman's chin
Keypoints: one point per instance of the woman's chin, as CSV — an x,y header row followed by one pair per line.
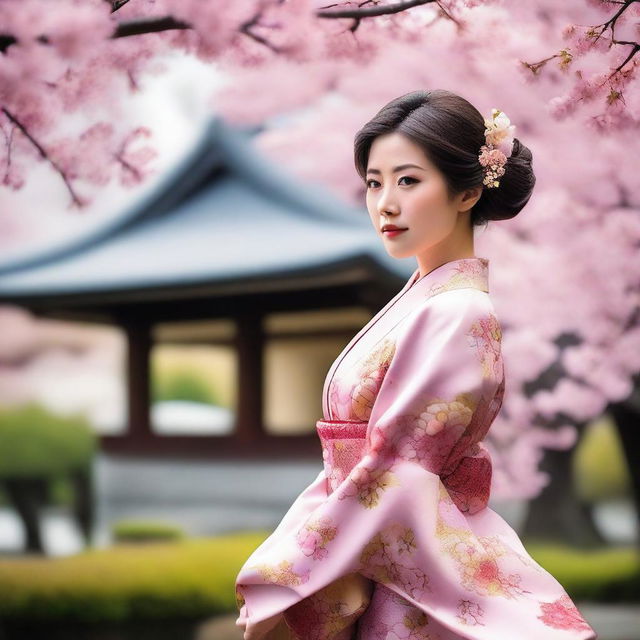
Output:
x,y
398,252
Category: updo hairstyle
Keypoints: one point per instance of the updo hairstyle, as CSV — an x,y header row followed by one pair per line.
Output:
x,y
450,131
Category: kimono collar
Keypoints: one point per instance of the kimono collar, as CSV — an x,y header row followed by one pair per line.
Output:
x,y
456,274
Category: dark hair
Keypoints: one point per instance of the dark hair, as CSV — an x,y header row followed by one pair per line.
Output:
x,y
450,130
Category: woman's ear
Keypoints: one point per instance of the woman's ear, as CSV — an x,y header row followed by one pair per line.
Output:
x,y
469,198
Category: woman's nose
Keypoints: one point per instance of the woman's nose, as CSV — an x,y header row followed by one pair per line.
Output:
x,y
386,206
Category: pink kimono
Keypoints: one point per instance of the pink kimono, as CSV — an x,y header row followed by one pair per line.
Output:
x,y
394,538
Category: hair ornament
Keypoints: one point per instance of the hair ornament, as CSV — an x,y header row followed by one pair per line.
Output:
x,y
498,135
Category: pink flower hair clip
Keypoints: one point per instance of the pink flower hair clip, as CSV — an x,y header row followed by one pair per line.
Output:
x,y
498,135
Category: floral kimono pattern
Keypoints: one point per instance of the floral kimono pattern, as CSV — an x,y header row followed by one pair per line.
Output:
x,y
394,539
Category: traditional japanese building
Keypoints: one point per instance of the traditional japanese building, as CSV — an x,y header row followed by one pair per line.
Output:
x,y
271,274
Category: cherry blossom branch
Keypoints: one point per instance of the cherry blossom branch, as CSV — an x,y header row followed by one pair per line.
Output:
x,y
150,25
134,171
116,4
245,28
45,156
611,84
634,50
536,66
6,40
448,15
123,30
611,23
370,12
9,140
167,23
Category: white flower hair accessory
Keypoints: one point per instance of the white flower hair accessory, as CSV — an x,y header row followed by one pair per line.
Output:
x,y
498,135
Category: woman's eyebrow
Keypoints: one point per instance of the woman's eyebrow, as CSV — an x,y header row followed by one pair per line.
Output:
x,y
396,169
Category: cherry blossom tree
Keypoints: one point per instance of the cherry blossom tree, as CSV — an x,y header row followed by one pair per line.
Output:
x,y
565,280
85,52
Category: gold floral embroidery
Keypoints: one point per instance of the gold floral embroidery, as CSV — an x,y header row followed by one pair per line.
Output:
x,y
392,616
340,456
435,435
440,414
282,574
486,335
370,375
476,557
380,356
468,273
239,598
470,613
368,484
315,535
331,611
426,437
415,619
388,558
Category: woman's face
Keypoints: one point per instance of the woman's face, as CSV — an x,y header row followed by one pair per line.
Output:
x,y
413,197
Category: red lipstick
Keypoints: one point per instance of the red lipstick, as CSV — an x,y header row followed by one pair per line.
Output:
x,y
390,230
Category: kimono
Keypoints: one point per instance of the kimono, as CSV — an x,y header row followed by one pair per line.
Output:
x,y
394,539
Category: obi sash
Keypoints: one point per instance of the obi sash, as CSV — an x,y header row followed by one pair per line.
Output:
x,y
466,477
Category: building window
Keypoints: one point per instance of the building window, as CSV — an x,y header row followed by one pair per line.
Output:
x,y
299,349
193,374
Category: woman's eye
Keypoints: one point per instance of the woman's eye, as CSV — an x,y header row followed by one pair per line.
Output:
x,y
368,183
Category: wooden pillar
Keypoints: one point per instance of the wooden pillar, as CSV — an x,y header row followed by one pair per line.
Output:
x,y
250,350
138,334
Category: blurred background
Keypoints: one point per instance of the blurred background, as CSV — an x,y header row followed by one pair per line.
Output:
x,y
185,250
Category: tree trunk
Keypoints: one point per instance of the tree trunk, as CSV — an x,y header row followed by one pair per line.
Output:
x,y
26,496
83,501
557,514
626,415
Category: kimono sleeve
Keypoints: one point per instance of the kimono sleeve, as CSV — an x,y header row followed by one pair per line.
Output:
x,y
382,520
439,397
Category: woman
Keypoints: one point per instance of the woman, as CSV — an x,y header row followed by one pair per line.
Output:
x,y
394,538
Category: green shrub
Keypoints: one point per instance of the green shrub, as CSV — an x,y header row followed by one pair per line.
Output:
x,y
181,384
600,469
189,578
60,491
607,575
36,442
143,531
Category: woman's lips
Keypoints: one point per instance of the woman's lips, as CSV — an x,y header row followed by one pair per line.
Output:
x,y
391,233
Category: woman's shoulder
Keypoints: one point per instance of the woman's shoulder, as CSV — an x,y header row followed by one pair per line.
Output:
x,y
456,303
458,311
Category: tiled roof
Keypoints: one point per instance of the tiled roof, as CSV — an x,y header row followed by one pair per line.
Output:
x,y
224,214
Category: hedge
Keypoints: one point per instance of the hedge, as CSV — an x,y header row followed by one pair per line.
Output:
x,y
187,578
195,577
